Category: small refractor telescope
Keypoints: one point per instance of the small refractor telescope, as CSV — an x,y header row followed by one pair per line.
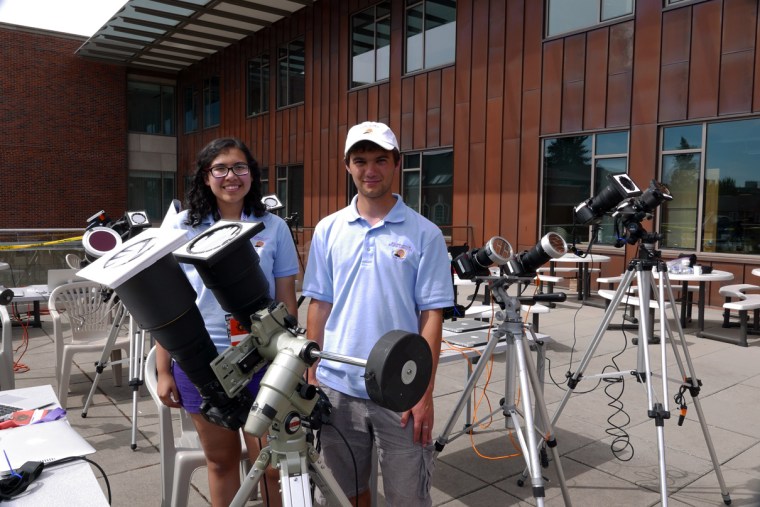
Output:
x,y
103,235
498,251
592,210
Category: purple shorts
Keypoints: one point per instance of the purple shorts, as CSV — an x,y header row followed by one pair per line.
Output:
x,y
190,397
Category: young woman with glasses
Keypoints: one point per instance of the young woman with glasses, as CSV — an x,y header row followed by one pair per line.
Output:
x,y
227,185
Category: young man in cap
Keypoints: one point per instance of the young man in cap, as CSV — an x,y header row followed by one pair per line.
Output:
x,y
375,266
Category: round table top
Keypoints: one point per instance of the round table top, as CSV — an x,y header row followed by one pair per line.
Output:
x,y
756,271
571,257
714,276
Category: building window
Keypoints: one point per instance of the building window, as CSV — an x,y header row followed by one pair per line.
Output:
x,y
575,169
287,185
711,171
564,16
258,85
150,108
290,73
427,185
430,33
191,109
211,103
371,44
151,191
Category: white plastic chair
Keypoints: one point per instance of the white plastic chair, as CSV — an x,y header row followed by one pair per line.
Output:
x,y
89,319
7,377
180,455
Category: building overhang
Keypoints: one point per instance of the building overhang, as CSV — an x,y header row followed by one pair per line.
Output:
x,y
171,35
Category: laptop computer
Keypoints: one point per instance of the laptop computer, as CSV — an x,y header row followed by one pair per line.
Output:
x,y
471,338
58,277
46,441
464,325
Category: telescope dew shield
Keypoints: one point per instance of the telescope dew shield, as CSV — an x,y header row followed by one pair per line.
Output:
x,y
229,266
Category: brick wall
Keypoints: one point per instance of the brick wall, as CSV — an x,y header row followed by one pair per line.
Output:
x,y
63,137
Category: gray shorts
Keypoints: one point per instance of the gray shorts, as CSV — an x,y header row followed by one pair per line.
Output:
x,y
406,467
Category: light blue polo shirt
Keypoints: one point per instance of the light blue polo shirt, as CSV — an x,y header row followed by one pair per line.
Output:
x,y
378,279
278,258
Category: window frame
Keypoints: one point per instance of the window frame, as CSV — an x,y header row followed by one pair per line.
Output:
x,y
701,206
599,23
284,54
412,4
264,64
162,90
419,168
573,232
193,92
374,8
209,84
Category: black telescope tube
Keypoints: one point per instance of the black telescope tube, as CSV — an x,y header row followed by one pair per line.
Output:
x,y
235,278
175,321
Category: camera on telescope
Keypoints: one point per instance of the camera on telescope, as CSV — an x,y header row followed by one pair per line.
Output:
x,y
476,262
592,210
551,246
632,211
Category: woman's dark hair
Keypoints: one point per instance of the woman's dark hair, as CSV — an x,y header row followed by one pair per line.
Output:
x,y
201,200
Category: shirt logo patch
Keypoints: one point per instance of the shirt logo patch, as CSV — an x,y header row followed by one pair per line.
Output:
x,y
259,244
399,253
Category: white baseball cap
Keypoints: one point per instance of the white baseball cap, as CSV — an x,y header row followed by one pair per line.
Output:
x,y
378,133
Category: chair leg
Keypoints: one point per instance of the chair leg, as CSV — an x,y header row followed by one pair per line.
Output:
x,y
726,314
63,381
744,316
116,366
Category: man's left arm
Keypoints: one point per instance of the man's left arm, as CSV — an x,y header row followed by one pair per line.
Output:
x,y
422,414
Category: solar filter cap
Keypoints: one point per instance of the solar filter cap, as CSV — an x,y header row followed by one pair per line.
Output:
x,y
378,133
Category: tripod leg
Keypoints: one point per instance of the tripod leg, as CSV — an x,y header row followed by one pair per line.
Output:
x,y
596,340
107,348
136,347
694,387
536,379
442,439
327,483
530,450
252,479
657,411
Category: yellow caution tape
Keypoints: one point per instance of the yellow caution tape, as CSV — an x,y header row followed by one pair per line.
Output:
x,y
44,243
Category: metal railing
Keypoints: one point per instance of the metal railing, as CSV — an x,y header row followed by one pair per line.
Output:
x,y
30,253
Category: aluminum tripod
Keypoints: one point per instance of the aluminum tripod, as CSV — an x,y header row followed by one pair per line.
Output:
x,y
641,268
291,451
512,328
136,371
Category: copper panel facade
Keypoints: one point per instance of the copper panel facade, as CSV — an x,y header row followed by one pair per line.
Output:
x,y
705,60
508,87
595,89
735,84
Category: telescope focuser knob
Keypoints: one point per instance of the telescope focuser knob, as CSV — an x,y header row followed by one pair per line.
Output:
x,y
307,391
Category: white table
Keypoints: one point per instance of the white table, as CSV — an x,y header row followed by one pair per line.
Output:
x,y
34,294
714,276
70,484
756,271
584,272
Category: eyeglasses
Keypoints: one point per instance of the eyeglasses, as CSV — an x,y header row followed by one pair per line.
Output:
x,y
221,170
